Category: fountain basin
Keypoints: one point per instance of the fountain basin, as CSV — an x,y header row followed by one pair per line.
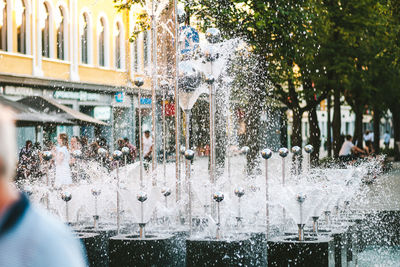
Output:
x,y
94,247
313,251
219,252
153,250
103,242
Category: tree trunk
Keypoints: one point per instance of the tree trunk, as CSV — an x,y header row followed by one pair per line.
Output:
x,y
315,135
377,135
329,127
396,130
358,129
296,138
336,123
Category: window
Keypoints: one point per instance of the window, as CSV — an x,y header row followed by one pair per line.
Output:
x,y
45,28
146,51
20,19
102,61
61,29
3,25
118,49
85,39
135,55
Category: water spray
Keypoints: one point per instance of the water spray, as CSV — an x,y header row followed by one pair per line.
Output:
x,y
266,154
66,196
166,191
164,87
239,192
218,197
142,197
309,149
103,154
283,152
117,155
47,156
300,199
139,81
296,150
189,155
96,193
245,150
213,36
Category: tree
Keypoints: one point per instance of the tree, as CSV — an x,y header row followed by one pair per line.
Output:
x,y
281,34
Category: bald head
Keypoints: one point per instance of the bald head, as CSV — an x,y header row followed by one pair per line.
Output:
x,y
7,144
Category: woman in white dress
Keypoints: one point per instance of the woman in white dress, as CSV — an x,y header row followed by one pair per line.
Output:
x,y
62,158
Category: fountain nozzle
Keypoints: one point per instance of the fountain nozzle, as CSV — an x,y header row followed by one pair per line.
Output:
x,y
301,231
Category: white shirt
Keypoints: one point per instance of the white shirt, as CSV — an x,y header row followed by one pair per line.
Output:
x,y
346,148
386,138
147,143
369,137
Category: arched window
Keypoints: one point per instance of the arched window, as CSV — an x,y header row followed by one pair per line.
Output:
x,y
45,28
20,19
102,40
85,39
61,31
118,48
3,25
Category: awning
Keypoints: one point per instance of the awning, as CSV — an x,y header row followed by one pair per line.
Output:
x,y
27,116
50,106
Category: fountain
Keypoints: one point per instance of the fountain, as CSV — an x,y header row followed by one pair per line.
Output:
x,y
312,228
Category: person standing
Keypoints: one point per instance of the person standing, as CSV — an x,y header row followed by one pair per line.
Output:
x,y
28,235
386,139
62,159
147,149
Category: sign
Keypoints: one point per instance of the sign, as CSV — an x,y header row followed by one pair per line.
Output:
x,y
119,97
145,101
76,95
102,113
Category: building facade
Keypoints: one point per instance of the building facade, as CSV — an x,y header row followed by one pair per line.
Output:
x,y
79,53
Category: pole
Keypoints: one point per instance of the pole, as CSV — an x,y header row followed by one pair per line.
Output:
x,y
153,96
164,138
266,200
212,151
190,198
66,212
140,138
329,126
118,200
283,184
177,126
95,212
187,139
219,223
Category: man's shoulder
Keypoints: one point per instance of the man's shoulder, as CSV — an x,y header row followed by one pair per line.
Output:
x,y
52,238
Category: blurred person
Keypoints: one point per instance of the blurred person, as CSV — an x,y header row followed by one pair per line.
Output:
x,y
84,147
75,143
147,149
349,150
386,139
132,150
25,161
62,160
28,235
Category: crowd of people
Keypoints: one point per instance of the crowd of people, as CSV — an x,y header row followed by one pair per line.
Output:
x,y
69,155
